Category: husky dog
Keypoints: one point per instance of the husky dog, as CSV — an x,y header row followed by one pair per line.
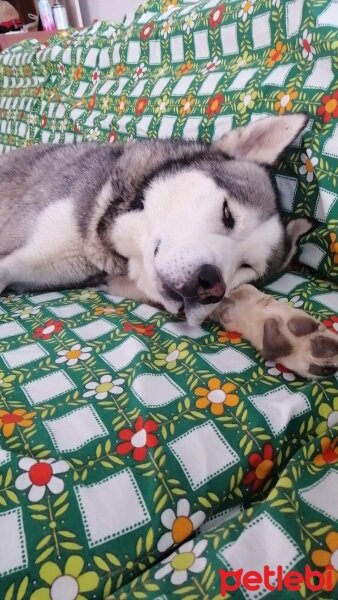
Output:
x,y
182,224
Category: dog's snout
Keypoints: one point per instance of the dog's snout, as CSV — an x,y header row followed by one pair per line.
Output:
x,y
210,285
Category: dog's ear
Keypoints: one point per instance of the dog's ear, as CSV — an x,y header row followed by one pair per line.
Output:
x,y
262,141
295,230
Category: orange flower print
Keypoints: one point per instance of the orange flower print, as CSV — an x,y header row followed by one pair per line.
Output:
x,y
19,417
141,105
229,336
285,100
108,310
187,105
120,70
329,108
121,105
78,73
139,328
276,54
214,105
334,247
184,68
261,467
91,103
326,558
329,453
217,396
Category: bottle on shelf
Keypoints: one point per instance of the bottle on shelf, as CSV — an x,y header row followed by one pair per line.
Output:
x,y
60,15
46,15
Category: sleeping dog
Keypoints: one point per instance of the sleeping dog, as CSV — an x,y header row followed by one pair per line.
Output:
x,y
182,224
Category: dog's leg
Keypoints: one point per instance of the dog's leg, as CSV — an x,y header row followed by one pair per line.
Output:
x,y
124,287
4,278
280,332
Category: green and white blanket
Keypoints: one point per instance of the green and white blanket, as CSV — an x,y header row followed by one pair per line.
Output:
x,y
140,457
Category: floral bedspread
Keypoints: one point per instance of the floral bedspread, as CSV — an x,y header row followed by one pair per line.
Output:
x,y
139,456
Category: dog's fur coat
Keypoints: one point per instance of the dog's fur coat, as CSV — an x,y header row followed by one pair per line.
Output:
x,y
176,223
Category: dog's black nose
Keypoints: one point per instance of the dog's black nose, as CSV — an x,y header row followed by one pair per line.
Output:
x,y
210,285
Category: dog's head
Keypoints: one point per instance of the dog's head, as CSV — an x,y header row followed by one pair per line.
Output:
x,y
211,220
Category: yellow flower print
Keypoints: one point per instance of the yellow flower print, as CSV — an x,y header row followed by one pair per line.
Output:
x,y
217,396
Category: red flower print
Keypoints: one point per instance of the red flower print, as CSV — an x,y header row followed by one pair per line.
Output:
x,y
262,465
44,121
331,324
48,330
141,105
139,328
139,439
112,136
329,108
214,105
216,16
146,31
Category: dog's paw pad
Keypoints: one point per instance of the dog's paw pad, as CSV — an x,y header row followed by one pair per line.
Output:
x,y
301,344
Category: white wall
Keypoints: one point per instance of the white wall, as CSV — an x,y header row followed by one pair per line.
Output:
x,y
106,10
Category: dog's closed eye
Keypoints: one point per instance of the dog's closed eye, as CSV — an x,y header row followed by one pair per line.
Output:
x,y
228,219
246,266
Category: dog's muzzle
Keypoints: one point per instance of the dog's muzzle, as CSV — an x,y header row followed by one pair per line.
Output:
x,y
205,287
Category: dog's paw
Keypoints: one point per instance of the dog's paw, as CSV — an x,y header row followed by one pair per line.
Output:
x,y
300,343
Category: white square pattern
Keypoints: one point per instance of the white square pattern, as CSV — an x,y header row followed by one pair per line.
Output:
x,y
325,201
280,406
201,44
311,255
10,330
145,312
210,83
229,39
287,187
23,355
111,508
320,495
68,311
177,48
322,74
286,284
155,390
278,75
94,330
40,298
13,551
166,127
214,454
182,329
228,361
48,387
183,85
263,542
75,429
242,79
4,457
330,299
124,353
261,30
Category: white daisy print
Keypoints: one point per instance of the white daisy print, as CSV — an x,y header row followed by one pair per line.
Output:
x,y
276,369
27,312
39,475
180,525
295,301
186,560
140,71
107,385
211,66
305,42
93,134
308,166
71,357
166,28
246,9
189,22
